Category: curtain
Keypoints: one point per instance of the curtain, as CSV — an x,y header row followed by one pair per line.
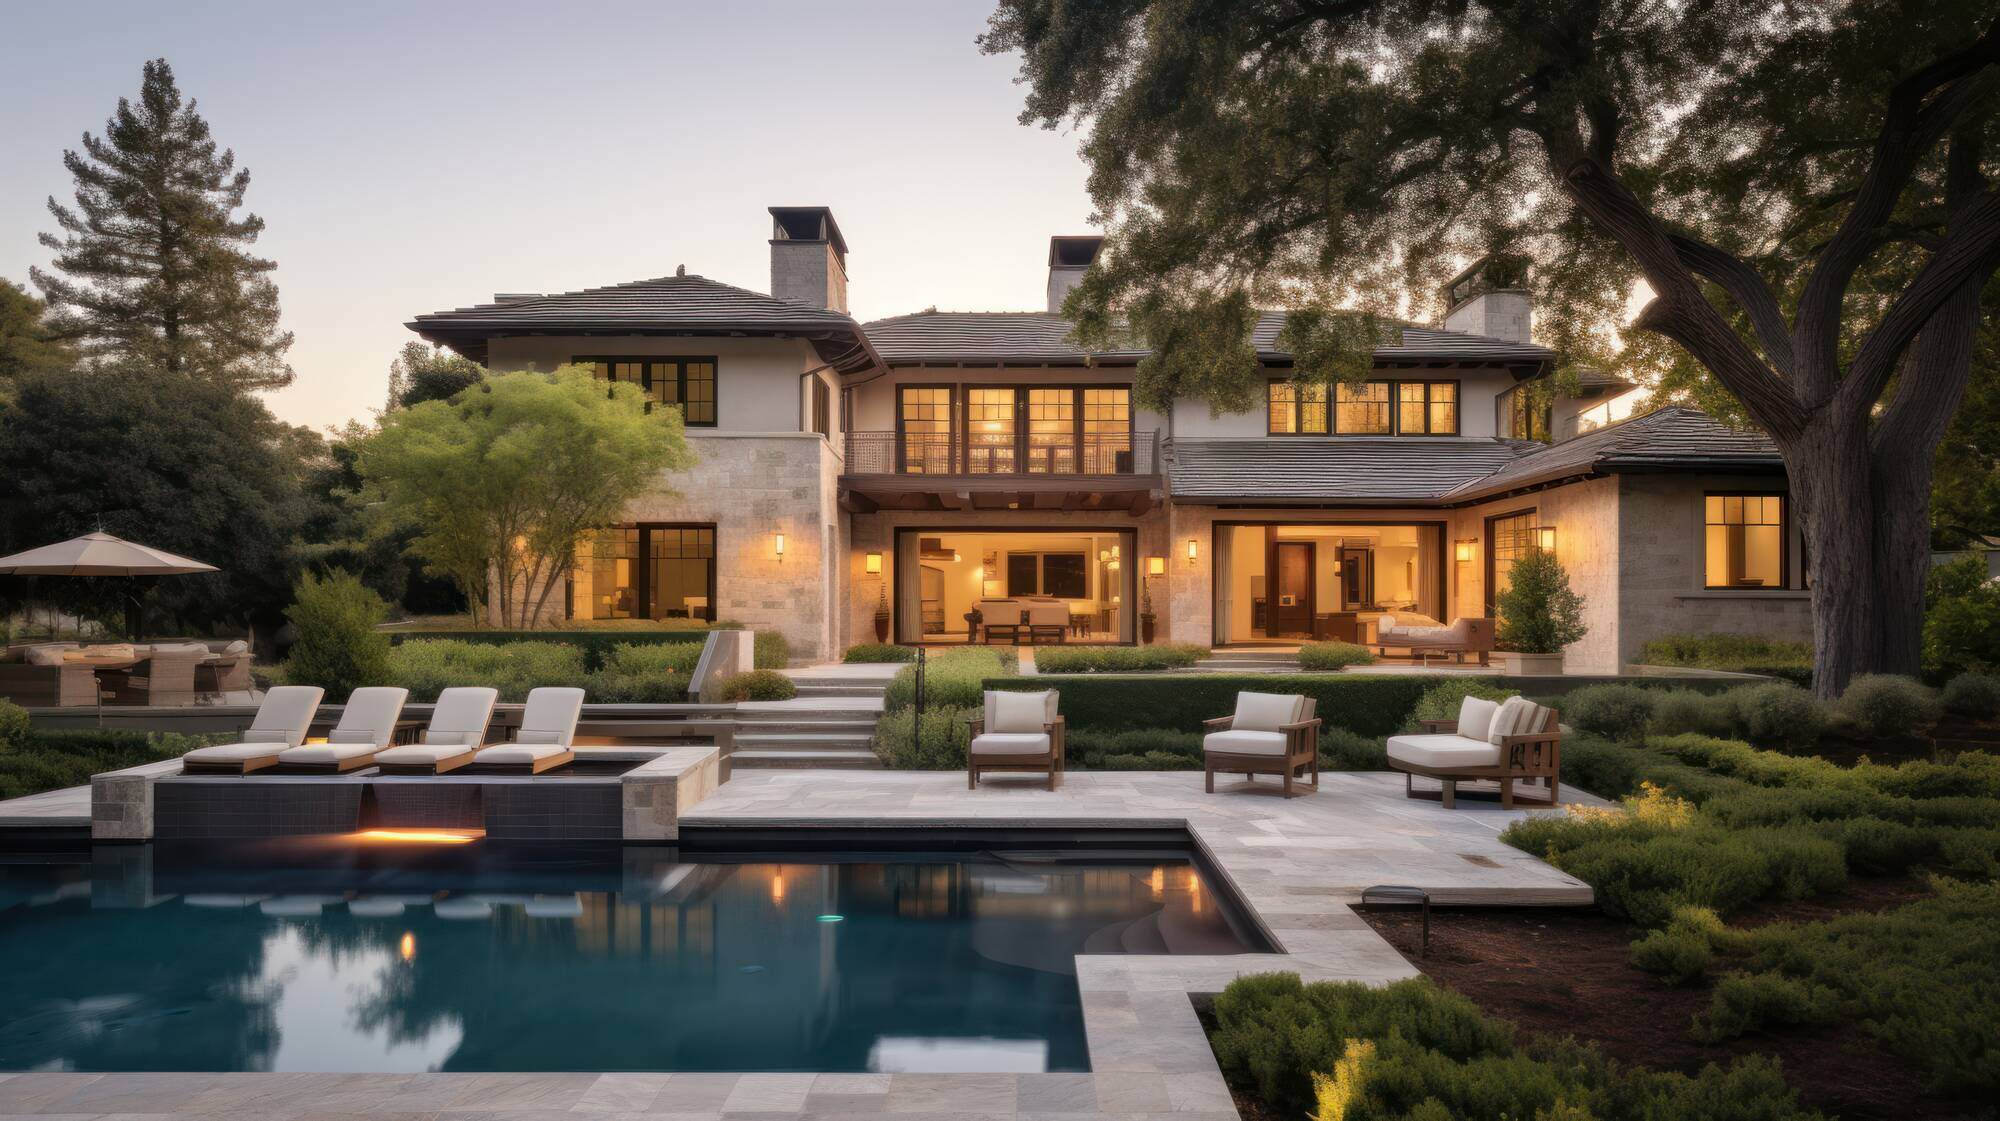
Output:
x,y
1430,589
1222,593
908,608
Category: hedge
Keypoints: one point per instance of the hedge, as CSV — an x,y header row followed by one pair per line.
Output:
x,y
1118,659
1372,705
1733,653
57,758
596,645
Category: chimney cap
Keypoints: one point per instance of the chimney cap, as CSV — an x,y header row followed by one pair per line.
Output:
x,y
1074,251
1495,272
807,223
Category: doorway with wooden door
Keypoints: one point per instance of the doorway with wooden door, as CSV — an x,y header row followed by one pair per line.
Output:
x,y
1292,564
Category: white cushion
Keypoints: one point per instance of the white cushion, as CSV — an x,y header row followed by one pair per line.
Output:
x,y
1010,743
461,715
533,735
1517,716
418,754
519,752
1235,742
454,739
550,709
353,735
1475,717
1443,750
322,753
233,752
1264,712
285,714
1023,713
237,647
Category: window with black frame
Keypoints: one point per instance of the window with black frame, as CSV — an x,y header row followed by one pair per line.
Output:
x,y
686,383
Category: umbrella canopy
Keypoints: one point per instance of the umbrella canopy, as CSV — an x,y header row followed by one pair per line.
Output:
x,y
99,554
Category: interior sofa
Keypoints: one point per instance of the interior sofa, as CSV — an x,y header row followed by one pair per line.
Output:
x,y
1424,636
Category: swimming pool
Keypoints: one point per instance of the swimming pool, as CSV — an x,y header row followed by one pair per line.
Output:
x,y
342,954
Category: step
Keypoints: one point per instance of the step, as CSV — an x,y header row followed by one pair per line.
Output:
x,y
805,728
1143,936
800,759
804,740
841,689
833,721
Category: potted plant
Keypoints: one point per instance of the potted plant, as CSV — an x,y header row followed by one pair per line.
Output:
x,y
1539,615
882,614
1146,617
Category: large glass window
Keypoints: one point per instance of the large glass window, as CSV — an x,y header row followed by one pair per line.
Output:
x,y
1361,410
681,562
1107,431
1063,575
925,418
687,383
606,582
1524,413
1744,541
645,572
1052,431
1509,539
1298,408
1427,408
989,431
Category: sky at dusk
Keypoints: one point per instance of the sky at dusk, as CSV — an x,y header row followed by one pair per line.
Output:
x,y
411,157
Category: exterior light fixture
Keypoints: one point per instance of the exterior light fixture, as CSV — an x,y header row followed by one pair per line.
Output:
x,y
1156,566
1194,550
1545,538
778,546
874,563
406,948
1463,551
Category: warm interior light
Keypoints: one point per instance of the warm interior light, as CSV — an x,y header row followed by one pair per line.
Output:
x,y
874,563
1464,551
1159,884
408,946
1545,538
1156,566
420,836
778,545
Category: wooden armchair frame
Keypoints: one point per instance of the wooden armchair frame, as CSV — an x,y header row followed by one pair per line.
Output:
x,y
1050,761
1301,753
1524,758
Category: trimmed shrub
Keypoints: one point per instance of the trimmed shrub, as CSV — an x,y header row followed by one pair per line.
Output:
x,y
942,748
1441,702
59,758
1779,715
1326,657
1976,695
1118,659
596,643
1342,750
1123,751
338,647
15,725
951,677
429,667
879,652
771,650
649,674
1371,704
1733,653
1678,711
1619,713
1539,613
757,685
1881,704
1149,761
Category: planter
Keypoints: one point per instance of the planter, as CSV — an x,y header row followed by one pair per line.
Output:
x,y
882,627
1146,628
1531,665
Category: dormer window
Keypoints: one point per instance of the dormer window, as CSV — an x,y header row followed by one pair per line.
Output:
x,y
1375,408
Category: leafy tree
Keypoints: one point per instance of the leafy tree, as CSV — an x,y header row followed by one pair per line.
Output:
x,y
1965,493
1962,619
339,648
190,466
506,479
423,373
1804,190
1539,614
153,267
25,346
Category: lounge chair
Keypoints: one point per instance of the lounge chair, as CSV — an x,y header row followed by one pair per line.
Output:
x,y
367,724
1016,731
281,724
1516,740
548,724
1269,734
457,729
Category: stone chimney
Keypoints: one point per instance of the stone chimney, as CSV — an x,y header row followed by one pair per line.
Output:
x,y
808,257
1069,256
1491,298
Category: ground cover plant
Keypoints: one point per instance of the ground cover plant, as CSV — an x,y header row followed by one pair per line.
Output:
x,y
757,685
867,652
1326,657
1118,659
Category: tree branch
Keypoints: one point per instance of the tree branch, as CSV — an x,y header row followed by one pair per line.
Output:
x,y
1735,276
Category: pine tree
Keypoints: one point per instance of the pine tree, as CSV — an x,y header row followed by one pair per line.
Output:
x,y
154,264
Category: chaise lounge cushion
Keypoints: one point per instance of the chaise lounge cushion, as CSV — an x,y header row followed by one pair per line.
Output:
x,y
319,754
233,752
1443,751
1236,742
421,754
521,752
1010,743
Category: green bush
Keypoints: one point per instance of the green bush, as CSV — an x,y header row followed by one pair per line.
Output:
x,y
596,643
1413,1051
878,652
757,685
1342,750
951,677
1619,713
1733,653
426,668
1961,619
1976,695
1371,704
645,674
942,748
1442,701
1779,715
771,650
1539,613
61,758
15,725
1326,657
1681,951
1148,761
1883,705
1118,659
1745,1001
1645,878
1175,750
1677,711
338,647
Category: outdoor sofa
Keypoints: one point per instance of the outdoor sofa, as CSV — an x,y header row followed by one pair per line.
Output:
x,y
1511,741
37,676
1269,734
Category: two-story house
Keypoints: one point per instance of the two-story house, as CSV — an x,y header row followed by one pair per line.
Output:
x,y
945,462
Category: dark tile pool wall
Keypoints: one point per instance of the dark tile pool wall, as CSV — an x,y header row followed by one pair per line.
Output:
x,y
422,805
199,811
517,811
571,811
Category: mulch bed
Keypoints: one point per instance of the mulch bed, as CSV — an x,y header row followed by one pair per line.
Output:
x,y
1565,972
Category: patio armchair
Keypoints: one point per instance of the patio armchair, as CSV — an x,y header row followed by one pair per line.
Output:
x,y
1018,732
548,725
281,723
37,676
1508,742
367,724
1269,734
456,731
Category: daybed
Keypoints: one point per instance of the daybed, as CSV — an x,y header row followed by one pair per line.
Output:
x,y
1423,636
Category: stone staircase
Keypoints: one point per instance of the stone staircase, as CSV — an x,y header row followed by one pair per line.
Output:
x,y
1249,659
830,724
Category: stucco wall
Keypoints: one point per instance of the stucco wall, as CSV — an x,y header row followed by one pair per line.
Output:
x,y
757,383
1587,518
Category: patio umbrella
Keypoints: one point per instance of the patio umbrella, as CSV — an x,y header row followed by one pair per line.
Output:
x,y
100,554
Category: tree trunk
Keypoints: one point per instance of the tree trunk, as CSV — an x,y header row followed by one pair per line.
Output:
x,y
1833,497
1902,497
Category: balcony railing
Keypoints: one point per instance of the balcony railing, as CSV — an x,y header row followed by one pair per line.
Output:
x,y
956,453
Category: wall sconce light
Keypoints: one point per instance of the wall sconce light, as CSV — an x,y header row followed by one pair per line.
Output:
x,y
1463,552
1194,550
874,564
1156,566
1545,538
954,556
778,546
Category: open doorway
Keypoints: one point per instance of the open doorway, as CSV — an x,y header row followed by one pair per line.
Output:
x,y
1324,582
1025,587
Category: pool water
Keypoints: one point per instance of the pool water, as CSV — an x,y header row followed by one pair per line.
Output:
x,y
333,955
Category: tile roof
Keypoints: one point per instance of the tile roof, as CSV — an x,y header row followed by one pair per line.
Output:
x,y
1450,471
1033,337
666,303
